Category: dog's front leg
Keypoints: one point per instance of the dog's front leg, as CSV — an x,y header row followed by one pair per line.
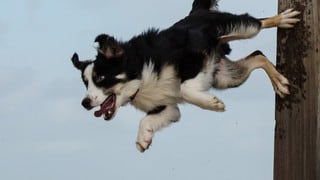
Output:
x,y
195,91
204,100
155,120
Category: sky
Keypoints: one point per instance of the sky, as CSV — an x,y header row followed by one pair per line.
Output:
x,y
46,134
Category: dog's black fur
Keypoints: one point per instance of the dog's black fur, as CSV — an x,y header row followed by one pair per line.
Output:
x,y
187,59
184,44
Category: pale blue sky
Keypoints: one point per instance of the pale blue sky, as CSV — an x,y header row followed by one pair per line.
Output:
x,y
46,134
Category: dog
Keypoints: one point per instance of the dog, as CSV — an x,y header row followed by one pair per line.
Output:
x,y
158,69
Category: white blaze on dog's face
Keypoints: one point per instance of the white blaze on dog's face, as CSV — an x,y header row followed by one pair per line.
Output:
x,y
94,94
105,84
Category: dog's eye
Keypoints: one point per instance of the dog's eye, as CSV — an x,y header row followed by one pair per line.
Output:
x,y
100,79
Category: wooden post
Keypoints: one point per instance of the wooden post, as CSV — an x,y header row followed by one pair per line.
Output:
x,y
297,133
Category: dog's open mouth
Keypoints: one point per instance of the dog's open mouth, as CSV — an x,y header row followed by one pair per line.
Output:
x,y
107,108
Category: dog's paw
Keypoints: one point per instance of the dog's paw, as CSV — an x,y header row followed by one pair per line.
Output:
x,y
143,146
144,140
216,104
288,18
280,85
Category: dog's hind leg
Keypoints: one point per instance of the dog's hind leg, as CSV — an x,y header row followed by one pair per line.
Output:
x,y
235,27
230,74
285,19
155,120
245,26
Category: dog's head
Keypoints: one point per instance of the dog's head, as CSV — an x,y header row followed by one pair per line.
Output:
x,y
105,79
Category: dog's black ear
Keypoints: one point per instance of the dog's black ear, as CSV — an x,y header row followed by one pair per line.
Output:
x,y
76,63
108,46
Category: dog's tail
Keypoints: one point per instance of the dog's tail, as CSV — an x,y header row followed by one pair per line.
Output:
x,y
204,5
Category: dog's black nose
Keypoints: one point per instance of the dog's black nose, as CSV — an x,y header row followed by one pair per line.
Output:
x,y
86,103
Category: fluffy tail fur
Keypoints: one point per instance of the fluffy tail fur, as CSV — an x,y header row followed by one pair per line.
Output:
x,y
204,5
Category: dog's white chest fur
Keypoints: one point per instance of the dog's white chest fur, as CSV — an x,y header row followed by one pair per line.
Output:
x,y
157,89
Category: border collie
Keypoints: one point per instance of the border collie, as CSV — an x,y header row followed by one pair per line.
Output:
x,y
158,69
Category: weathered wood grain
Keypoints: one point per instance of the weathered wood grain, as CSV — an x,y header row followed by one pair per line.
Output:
x,y
297,133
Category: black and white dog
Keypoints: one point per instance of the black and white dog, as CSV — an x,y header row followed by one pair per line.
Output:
x,y
157,70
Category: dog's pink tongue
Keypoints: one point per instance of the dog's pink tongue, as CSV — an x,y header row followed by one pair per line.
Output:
x,y
106,105
99,112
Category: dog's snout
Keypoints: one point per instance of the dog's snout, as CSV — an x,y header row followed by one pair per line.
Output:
x,y
86,103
